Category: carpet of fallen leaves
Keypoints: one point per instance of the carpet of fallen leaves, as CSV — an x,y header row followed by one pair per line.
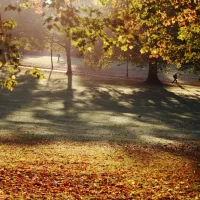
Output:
x,y
70,170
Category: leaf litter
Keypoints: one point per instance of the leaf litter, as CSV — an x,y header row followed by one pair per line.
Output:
x,y
72,170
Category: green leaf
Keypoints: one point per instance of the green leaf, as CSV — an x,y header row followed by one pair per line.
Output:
x,y
124,48
13,77
122,39
89,49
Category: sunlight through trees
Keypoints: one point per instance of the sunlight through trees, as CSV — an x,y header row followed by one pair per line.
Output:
x,y
161,33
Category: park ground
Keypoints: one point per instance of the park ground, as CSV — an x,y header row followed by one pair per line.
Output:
x,y
94,137
136,72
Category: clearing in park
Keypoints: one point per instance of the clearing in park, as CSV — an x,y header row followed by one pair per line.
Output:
x,y
99,138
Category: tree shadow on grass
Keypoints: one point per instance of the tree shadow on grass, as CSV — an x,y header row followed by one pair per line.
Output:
x,y
19,98
18,123
152,104
82,110
98,111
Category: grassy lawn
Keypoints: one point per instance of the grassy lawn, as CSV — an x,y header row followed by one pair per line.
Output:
x,y
98,138
116,70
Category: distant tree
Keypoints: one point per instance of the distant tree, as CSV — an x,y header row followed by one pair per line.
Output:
x,y
9,53
160,32
170,33
62,16
54,43
69,18
30,32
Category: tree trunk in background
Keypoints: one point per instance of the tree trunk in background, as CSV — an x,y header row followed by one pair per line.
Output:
x,y
153,72
51,64
127,72
51,59
68,55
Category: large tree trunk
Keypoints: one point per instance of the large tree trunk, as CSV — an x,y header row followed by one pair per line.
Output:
x,y
153,72
68,55
69,82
